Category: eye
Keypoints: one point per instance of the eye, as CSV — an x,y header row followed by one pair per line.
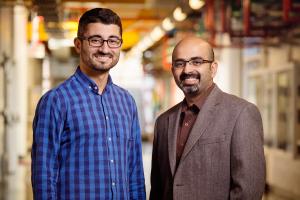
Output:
x,y
114,42
197,62
95,40
179,64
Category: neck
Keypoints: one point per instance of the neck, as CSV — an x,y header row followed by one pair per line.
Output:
x,y
193,99
100,81
99,77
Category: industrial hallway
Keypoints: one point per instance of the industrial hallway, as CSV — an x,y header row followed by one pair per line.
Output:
x,y
257,47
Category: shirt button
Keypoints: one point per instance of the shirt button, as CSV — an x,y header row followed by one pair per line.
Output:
x,y
112,161
186,124
95,88
106,117
109,139
113,183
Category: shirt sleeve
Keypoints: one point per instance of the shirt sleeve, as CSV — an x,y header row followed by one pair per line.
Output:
x,y
136,176
248,170
47,126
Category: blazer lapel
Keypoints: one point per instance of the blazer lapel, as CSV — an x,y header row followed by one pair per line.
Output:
x,y
173,124
204,120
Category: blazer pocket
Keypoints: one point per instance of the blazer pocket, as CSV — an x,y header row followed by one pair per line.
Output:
x,y
211,140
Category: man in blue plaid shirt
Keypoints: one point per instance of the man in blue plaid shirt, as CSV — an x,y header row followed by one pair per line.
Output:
x,y
86,134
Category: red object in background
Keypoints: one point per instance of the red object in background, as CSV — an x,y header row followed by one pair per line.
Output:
x,y
209,20
286,5
165,62
288,9
246,16
223,16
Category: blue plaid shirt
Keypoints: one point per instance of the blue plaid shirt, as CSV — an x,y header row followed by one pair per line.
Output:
x,y
86,145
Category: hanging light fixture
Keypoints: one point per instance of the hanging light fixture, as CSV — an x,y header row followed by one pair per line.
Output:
x,y
196,4
178,14
167,24
157,33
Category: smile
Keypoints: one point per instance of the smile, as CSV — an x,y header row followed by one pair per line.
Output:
x,y
190,81
103,58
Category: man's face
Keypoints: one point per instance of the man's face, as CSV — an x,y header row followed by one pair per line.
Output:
x,y
98,59
195,76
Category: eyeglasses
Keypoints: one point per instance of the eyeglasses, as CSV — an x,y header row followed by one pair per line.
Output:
x,y
96,41
196,62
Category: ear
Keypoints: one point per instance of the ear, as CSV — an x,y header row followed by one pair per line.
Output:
x,y
214,69
77,44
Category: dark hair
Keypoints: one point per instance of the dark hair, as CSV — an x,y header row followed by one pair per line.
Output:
x,y
102,15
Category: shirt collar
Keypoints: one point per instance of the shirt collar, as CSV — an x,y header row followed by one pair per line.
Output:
x,y
88,83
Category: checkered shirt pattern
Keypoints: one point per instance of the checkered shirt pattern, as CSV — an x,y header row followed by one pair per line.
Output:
x,y
87,145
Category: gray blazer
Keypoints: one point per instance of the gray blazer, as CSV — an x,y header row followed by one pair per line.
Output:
x,y
222,159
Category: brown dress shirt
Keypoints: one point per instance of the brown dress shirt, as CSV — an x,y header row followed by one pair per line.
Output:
x,y
188,117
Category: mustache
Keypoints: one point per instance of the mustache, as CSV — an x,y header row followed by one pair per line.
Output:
x,y
101,53
184,76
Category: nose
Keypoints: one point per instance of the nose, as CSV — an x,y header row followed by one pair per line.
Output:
x,y
187,67
104,47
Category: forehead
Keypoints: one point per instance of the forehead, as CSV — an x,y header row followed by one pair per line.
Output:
x,y
189,49
104,30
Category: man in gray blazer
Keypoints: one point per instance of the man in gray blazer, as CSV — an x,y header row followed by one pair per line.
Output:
x,y
210,145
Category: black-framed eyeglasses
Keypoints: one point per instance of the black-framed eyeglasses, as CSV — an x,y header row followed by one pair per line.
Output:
x,y
196,62
96,41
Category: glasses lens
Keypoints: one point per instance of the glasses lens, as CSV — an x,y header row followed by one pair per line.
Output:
x,y
96,41
114,43
197,62
179,64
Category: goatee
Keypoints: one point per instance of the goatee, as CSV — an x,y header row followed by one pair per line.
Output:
x,y
190,89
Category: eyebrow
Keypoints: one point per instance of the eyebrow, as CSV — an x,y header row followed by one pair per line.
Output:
x,y
197,57
192,58
99,36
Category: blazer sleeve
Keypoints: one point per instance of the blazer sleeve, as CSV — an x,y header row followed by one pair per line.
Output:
x,y
248,170
156,188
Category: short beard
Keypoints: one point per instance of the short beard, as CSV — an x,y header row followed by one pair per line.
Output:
x,y
190,90
100,68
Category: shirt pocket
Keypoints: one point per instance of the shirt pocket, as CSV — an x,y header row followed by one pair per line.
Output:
x,y
123,127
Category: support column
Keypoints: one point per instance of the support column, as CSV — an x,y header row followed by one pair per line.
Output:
x,y
229,77
13,22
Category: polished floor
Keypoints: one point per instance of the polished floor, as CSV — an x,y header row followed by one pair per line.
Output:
x,y
17,194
